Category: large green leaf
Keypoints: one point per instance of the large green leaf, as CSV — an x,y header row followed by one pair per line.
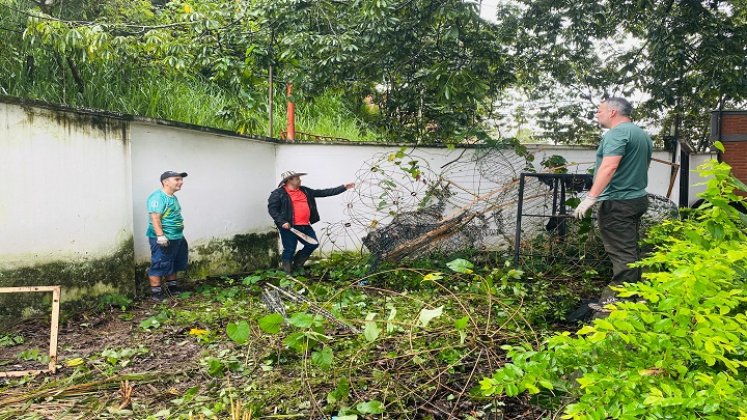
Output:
x,y
461,265
238,332
427,315
271,323
371,331
323,358
370,407
301,320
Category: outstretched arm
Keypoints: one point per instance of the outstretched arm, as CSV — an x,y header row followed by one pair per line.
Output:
x,y
329,192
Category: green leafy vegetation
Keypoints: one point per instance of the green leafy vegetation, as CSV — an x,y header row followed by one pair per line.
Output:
x,y
10,340
427,332
115,300
683,59
33,355
394,69
192,63
675,348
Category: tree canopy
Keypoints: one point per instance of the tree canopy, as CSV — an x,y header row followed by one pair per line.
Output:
x,y
684,58
428,69
401,70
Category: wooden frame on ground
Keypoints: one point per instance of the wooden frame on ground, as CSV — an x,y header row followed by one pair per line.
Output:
x,y
53,330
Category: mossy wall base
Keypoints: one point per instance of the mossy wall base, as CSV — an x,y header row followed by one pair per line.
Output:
x,y
243,253
80,280
119,274
240,254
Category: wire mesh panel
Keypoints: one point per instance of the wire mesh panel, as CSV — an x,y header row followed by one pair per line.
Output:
x,y
406,206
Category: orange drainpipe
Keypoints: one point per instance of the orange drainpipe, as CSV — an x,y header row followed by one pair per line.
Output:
x,y
291,115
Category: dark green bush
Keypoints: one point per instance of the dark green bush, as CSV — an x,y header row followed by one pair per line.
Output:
x,y
677,349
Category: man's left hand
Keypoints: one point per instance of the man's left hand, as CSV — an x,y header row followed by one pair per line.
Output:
x,y
350,185
585,206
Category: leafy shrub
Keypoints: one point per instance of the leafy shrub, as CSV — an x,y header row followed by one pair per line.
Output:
x,y
555,164
11,339
677,349
114,300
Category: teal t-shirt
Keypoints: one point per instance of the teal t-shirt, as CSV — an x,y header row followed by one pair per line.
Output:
x,y
635,146
171,215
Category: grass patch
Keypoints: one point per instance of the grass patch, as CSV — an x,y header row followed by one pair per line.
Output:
x,y
192,100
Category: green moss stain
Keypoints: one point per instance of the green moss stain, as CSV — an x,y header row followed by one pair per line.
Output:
x,y
80,281
84,281
240,254
110,125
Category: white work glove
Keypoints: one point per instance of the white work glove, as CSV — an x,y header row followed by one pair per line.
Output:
x,y
584,207
162,241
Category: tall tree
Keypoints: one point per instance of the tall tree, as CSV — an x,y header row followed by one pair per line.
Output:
x,y
432,67
429,70
686,57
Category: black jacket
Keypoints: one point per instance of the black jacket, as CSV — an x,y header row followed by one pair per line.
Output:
x,y
281,209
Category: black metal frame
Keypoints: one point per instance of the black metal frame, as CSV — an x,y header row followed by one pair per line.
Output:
x,y
558,184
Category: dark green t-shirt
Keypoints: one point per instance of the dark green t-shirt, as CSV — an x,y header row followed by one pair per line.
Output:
x,y
635,146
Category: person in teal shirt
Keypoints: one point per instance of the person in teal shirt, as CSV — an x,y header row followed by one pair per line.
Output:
x,y
168,247
620,181
170,211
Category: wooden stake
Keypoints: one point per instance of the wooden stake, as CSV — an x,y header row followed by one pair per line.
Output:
x,y
672,175
54,328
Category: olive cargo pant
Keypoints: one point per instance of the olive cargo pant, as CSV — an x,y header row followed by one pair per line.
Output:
x,y
619,221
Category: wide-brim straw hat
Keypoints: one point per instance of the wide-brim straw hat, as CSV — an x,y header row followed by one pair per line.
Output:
x,y
288,175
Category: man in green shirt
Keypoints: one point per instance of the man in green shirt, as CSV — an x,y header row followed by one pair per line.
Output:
x,y
168,248
620,181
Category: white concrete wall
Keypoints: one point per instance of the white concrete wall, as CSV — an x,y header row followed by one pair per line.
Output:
x,y
331,165
695,178
64,186
225,192
74,185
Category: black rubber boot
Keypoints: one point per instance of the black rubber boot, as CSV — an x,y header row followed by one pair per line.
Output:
x,y
156,294
298,263
172,287
288,267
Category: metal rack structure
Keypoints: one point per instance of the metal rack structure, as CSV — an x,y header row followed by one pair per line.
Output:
x,y
560,185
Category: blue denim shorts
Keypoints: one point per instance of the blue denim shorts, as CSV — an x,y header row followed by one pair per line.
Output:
x,y
167,260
